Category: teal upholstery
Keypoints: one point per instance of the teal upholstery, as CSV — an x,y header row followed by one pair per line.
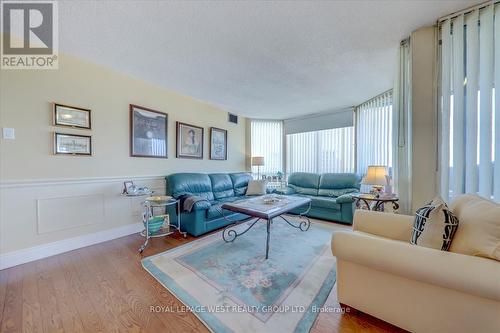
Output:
x,y
304,183
222,186
240,182
217,188
329,194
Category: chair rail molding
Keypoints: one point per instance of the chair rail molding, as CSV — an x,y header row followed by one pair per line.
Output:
x,y
44,217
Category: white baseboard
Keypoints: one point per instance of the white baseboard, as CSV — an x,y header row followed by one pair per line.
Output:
x,y
15,258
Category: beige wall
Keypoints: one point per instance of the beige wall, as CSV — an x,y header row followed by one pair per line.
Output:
x,y
25,105
424,116
46,198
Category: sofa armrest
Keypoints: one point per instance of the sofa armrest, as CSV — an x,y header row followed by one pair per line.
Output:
x,y
468,274
388,225
344,198
201,205
285,191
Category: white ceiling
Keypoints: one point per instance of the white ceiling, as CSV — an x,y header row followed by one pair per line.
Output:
x,y
257,59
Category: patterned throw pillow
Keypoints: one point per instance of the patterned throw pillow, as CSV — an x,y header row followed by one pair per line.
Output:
x,y
434,226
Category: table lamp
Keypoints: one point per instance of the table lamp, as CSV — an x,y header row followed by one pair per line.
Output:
x,y
258,161
377,177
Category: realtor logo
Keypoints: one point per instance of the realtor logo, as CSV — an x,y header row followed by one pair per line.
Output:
x,y
29,35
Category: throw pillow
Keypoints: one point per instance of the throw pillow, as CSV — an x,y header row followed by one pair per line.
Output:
x,y
434,226
257,187
479,231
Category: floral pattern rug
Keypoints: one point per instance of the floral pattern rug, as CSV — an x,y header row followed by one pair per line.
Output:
x,y
231,287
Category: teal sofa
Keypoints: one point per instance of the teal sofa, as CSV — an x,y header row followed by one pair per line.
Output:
x,y
217,188
329,193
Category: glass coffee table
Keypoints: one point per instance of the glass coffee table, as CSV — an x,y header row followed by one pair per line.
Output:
x,y
267,208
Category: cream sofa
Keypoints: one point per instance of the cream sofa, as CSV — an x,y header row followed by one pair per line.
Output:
x,y
416,288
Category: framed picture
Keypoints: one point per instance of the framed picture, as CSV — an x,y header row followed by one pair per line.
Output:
x,y
127,185
189,141
148,132
70,116
72,144
218,144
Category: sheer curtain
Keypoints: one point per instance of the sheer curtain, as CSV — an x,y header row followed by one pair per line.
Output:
x,y
374,132
323,151
267,140
401,140
469,104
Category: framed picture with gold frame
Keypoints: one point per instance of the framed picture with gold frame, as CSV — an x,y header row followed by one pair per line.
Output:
x,y
72,144
71,116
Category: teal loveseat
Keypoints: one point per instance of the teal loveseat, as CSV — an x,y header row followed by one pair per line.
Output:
x,y
329,193
216,188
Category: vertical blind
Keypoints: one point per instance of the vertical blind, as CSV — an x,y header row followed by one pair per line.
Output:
x,y
267,141
323,151
374,132
469,104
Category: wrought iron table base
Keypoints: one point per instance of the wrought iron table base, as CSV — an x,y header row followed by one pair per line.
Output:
x,y
229,234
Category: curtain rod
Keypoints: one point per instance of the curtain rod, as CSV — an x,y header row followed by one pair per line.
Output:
x,y
467,10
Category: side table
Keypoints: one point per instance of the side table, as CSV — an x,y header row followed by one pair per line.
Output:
x,y
371,202
148,213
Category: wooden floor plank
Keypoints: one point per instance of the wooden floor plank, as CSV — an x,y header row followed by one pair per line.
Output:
x,y
127,292
32,315
103,288
51,318
12,316
3,291
87,312
115,317
156,293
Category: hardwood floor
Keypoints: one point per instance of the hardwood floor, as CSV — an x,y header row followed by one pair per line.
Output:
x,y
103,288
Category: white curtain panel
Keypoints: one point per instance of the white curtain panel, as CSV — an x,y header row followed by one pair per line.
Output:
x,y
374,132
469,104
323,151
401,140
267,141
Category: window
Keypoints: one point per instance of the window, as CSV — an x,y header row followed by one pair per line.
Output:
x,y
374,133
469,108
321,151
267,141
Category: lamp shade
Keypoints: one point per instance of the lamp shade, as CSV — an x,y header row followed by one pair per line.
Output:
x,y
257,160
376,175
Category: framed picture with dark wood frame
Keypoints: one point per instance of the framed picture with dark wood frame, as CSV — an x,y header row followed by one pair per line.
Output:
x,y
189,141
218,144
72,144
71,116
148,132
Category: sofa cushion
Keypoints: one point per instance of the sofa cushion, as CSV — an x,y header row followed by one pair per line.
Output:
x,y
324,202
304,183
434,226
337,184
189,183
479,231
240,182
337,192
222,185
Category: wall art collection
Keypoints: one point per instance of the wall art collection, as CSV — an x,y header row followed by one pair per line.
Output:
x,y
148,134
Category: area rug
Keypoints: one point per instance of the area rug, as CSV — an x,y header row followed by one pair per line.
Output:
x,y
230,287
